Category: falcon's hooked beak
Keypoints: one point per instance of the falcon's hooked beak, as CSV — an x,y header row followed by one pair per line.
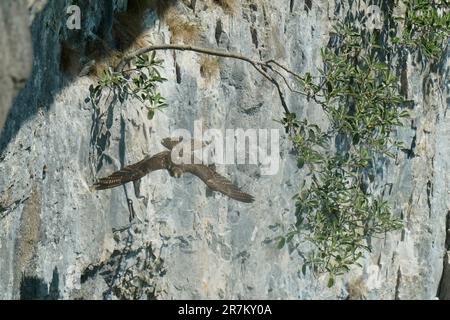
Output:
x,y
177,174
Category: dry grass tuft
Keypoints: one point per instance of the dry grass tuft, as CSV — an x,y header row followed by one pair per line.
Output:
x,y
209,66
228,6
128,35
111,60
181,28
357,289
128,29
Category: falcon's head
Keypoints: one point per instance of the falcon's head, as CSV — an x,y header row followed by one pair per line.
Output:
x,y
169,143
175,172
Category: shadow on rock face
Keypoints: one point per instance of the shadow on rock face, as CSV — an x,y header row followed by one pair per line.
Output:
x,y
129,273
59,53
16,56
34,288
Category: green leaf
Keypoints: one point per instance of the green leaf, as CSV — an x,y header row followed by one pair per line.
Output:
x,y
304,269
356,138
150,114
300,162
330,282
281,242
404,113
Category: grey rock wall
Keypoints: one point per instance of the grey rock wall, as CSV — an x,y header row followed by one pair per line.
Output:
x,y
60,239
15,52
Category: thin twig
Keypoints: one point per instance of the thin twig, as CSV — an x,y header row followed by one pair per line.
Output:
x,y
271,79
271,61
287,83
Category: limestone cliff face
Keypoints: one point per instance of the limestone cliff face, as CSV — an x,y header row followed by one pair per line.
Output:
x,y
59,239
16,52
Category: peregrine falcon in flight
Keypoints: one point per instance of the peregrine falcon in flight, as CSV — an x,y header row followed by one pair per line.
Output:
x,y
163,160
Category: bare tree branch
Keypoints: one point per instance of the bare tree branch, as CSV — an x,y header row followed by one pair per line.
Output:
x,y
257,64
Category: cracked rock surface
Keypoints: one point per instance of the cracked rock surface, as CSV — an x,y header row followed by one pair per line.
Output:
x,y
59,239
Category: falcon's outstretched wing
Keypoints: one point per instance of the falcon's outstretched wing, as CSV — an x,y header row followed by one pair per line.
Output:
x,y
217,182
134,172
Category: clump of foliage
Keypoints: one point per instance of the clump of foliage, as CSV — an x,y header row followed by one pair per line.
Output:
x,y
335,209
426,26
138,82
